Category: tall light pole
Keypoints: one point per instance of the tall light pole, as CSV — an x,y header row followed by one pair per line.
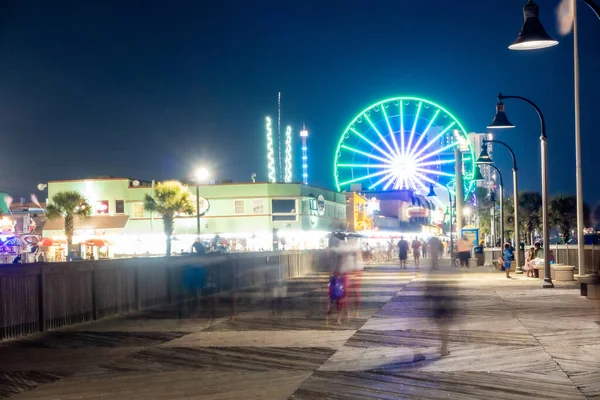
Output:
x,y
501,122
200,175
532,37
484,158
501,204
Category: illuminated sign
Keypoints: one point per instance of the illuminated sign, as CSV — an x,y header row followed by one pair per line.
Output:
x,y
416,212
102,207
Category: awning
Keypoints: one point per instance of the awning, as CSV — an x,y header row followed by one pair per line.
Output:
x,y
96,222
420,201
97,242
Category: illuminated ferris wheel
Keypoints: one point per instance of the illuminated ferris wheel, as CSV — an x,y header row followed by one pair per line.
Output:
x,y
402,143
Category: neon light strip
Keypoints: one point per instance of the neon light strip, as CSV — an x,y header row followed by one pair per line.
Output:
x,y
390,129
380,135
364,165
288,155
433,153
365,154
365,177
388,176
270,152
436,162
382,151
412,132
431,142
424,134
402,126
391,181
434,172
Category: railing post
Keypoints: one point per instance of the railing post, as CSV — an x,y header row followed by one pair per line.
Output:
x,y
138,299
42,299
94,294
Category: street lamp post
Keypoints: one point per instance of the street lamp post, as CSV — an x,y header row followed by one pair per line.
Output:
x,y
484,158
501,121
200,175
501,205
532,37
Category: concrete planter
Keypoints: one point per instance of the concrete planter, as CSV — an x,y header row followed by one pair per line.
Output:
x,y
561,272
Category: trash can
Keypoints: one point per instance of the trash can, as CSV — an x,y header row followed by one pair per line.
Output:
x,y
479,255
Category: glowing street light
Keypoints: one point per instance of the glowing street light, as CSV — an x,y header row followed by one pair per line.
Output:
x,y
485,159
532,35
544,158
533,38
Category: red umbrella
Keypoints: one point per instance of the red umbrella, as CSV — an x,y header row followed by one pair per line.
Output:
x,y
97,242
48,242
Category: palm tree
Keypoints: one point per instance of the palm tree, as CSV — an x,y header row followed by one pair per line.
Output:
x,y
529,213
563,215
170,198
68,205
482,210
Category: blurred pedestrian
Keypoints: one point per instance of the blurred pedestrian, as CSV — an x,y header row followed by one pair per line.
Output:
x,y
416,248
464,251
402,251
435,248
424,248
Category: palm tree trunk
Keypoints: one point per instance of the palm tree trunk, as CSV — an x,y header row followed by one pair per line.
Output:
x,y
69,230
168,225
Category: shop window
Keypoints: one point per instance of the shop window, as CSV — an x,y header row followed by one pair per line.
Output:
x,y
239,206
119,206
283,210
283,206
258,206
138,210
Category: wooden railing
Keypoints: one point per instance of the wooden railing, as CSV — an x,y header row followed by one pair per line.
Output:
x,y
39,297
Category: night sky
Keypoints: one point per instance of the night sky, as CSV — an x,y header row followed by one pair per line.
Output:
x,y
151,89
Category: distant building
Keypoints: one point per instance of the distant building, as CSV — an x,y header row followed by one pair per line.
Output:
x,y
248,216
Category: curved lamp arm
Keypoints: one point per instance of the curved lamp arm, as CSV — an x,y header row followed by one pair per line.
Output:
x,y
514,158
593,6
532,104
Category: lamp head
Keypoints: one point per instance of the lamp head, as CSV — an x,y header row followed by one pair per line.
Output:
x,y
533,36
431,192
477,174
484,157
500,120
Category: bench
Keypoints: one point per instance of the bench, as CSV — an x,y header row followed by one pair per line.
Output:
x,y
589,286
562,272
539,271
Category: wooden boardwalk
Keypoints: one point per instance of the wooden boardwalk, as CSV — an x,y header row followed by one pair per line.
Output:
x,y
509,339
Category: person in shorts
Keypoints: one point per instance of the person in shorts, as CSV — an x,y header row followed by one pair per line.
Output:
x,y
506,259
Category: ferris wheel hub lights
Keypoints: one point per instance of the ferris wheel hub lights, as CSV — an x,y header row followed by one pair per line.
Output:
x,y
533,36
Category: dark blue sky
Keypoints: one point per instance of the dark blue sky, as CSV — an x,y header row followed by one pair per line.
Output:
x,y
150,89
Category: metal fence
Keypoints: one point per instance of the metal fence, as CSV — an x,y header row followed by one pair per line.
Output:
x,y
39,297
563,254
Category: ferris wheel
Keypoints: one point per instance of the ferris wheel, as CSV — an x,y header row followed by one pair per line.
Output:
x,y
402,143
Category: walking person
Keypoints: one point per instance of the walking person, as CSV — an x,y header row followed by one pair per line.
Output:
x,y
435,250
390,248
424,248
416,248
402,251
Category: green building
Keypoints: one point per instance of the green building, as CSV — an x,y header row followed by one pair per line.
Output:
x,y
243,214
